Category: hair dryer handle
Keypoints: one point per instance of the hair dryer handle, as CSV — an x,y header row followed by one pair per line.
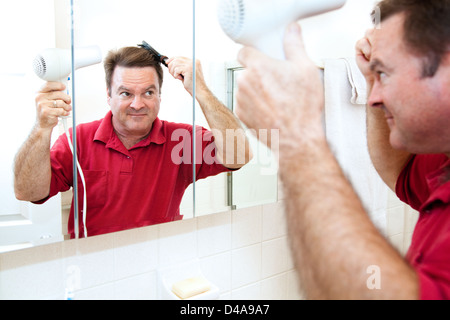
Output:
x,y
65,82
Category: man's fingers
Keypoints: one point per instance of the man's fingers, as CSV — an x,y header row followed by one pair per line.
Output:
x,y
52,86
294,46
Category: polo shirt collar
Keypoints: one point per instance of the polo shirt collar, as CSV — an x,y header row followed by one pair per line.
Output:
x,y
106,134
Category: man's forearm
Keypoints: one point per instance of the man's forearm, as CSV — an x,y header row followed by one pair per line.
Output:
x,y
233,149
332,238
387,161
32,168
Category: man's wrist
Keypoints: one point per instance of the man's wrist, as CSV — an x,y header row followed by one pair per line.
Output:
x,y
42,132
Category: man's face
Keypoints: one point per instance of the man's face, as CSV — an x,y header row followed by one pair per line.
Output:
x,y
135,100
417,109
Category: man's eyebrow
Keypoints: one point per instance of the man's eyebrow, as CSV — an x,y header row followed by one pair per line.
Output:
x,y
151,87
376,63
123,88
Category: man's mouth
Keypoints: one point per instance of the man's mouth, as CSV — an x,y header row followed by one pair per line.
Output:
x,y
390,120
387,114
137,114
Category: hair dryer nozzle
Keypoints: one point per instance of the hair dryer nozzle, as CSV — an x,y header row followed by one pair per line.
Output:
x,y
56,64
53,64
39,66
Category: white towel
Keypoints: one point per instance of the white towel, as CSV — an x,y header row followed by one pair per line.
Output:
x,y
357,82
345,118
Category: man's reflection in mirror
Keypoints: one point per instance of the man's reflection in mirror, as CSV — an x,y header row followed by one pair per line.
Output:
x,y
136,166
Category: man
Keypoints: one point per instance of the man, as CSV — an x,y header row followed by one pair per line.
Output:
x,y
134,168
335,246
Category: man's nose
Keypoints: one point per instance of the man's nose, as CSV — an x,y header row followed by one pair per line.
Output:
x,y
138,102
375,98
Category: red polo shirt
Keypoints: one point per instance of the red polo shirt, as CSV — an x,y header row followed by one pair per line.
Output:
x,y
425,185
131,188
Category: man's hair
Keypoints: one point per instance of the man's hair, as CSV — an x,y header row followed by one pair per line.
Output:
x,y
130,57
426,28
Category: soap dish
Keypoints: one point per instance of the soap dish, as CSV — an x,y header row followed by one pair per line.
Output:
x,y
186,282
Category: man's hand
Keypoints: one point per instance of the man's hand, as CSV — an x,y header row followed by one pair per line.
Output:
x,y
220,119
52,103
363,56
32,169
285,95
181,68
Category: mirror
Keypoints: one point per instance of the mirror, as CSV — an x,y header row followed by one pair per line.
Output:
x,y
123,23
257,182
109,24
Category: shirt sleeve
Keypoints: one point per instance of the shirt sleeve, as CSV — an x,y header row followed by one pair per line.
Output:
x,y
62,172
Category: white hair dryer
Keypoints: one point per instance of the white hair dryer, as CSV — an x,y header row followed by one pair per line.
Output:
x,y
261,23
56,64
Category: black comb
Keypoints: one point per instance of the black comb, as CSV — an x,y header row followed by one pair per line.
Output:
x,y
155,53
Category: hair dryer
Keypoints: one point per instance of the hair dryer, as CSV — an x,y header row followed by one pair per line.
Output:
x,y
261,23
56,64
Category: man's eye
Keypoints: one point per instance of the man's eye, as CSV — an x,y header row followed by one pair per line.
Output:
x,y
150,93
382,75
124,94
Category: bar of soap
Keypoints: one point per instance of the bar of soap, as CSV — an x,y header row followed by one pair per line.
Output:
x,y
191,287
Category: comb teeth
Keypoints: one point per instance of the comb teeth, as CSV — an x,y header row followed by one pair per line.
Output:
x,y
155,53
148,47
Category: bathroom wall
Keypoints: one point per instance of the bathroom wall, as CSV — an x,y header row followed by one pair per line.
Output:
x,y
245,253
401,221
